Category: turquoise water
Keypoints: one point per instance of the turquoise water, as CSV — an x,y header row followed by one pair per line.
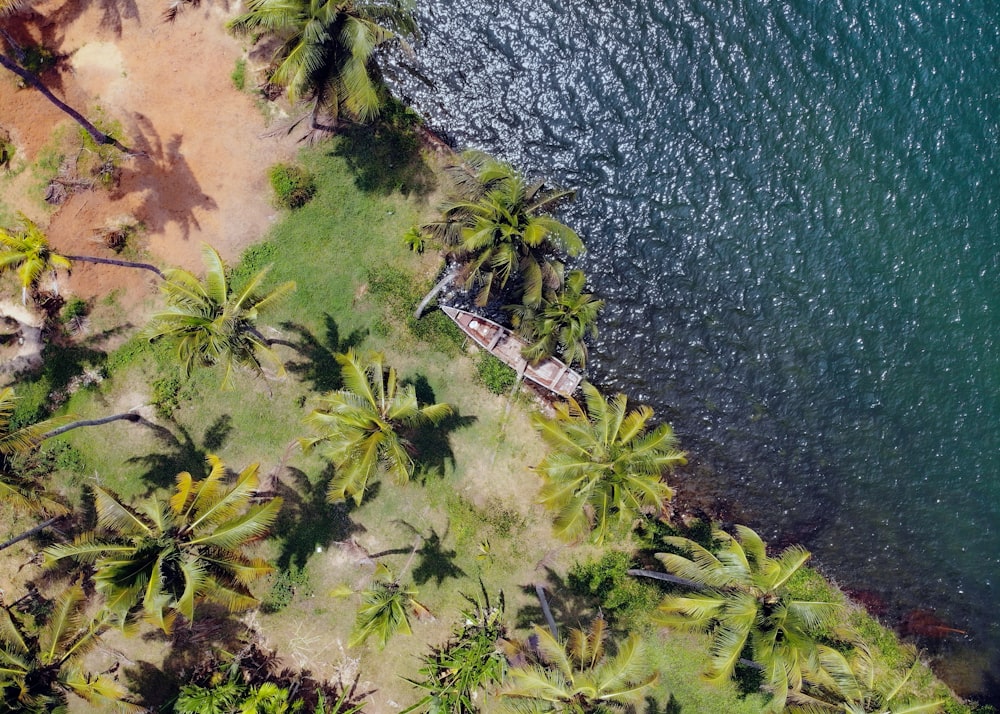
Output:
x,y
792,212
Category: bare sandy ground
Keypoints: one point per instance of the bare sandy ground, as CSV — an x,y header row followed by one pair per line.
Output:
x,y
203,178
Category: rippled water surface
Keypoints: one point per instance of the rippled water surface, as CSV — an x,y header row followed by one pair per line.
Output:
x,y
792,211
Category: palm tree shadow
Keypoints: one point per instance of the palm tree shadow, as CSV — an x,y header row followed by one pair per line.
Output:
x,y
319,364
165,168
672,706
113,14
385,156
308,521
435,561
185,454
431,444
568,609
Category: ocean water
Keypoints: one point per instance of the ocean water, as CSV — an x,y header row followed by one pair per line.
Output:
x,y
792,209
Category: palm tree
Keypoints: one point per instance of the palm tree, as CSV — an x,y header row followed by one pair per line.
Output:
x,y
867,686
359,427
39,662
27,251
607,464
578,676
561,323
385,609
743,601
327,51
210,323
499,225
169,555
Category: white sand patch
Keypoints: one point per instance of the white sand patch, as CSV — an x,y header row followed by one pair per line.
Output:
x,y
100,70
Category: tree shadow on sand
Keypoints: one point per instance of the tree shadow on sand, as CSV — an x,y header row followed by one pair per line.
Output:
x,y
319,358
170,191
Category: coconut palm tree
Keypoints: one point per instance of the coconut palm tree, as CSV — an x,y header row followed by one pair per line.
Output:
x,y
578,676
210,323
27,250
561,323
385,609
327,50
499,225
40,661
743,601
606,466
168,555
868,686
359,428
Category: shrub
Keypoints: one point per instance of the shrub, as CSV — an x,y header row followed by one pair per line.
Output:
x,y
6,149
166,396
287,584
623,598
494,374
239,75
73,309
293,186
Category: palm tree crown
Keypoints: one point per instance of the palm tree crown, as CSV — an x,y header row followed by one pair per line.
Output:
x,y
210,323
39,662
561,324
27,251
578,676
328,46
359,427
167,556
744,601
606,464
499,225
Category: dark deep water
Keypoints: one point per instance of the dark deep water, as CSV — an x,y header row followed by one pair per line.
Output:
x,y
792,210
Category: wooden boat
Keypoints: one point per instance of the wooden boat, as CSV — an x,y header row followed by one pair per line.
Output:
x,y
507,347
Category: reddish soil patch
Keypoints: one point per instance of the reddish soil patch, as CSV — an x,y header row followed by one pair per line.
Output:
x,y
203,175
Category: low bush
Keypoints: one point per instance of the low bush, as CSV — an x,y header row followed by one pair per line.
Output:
x,y
166,396
239,75
293,185
624,599
494,374
287,584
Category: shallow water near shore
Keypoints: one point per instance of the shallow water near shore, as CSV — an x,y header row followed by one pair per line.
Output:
x,y
792,210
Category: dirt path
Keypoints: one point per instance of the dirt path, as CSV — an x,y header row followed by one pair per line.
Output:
x,y
169,86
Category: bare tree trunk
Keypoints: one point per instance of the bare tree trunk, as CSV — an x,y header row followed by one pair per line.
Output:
x,y
449,275
126,416
96,134
667,578
30,532
120,263
540,591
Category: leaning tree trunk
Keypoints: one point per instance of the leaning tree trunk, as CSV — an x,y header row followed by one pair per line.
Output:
x,y
30,532
546,611
449,275
125,416
96,134
120,263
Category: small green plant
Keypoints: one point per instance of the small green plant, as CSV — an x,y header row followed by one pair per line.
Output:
x,y
293,186
74,309
414,239
101,161
7,150
239,75
166,396
494,374
37,59
287,584
623,599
